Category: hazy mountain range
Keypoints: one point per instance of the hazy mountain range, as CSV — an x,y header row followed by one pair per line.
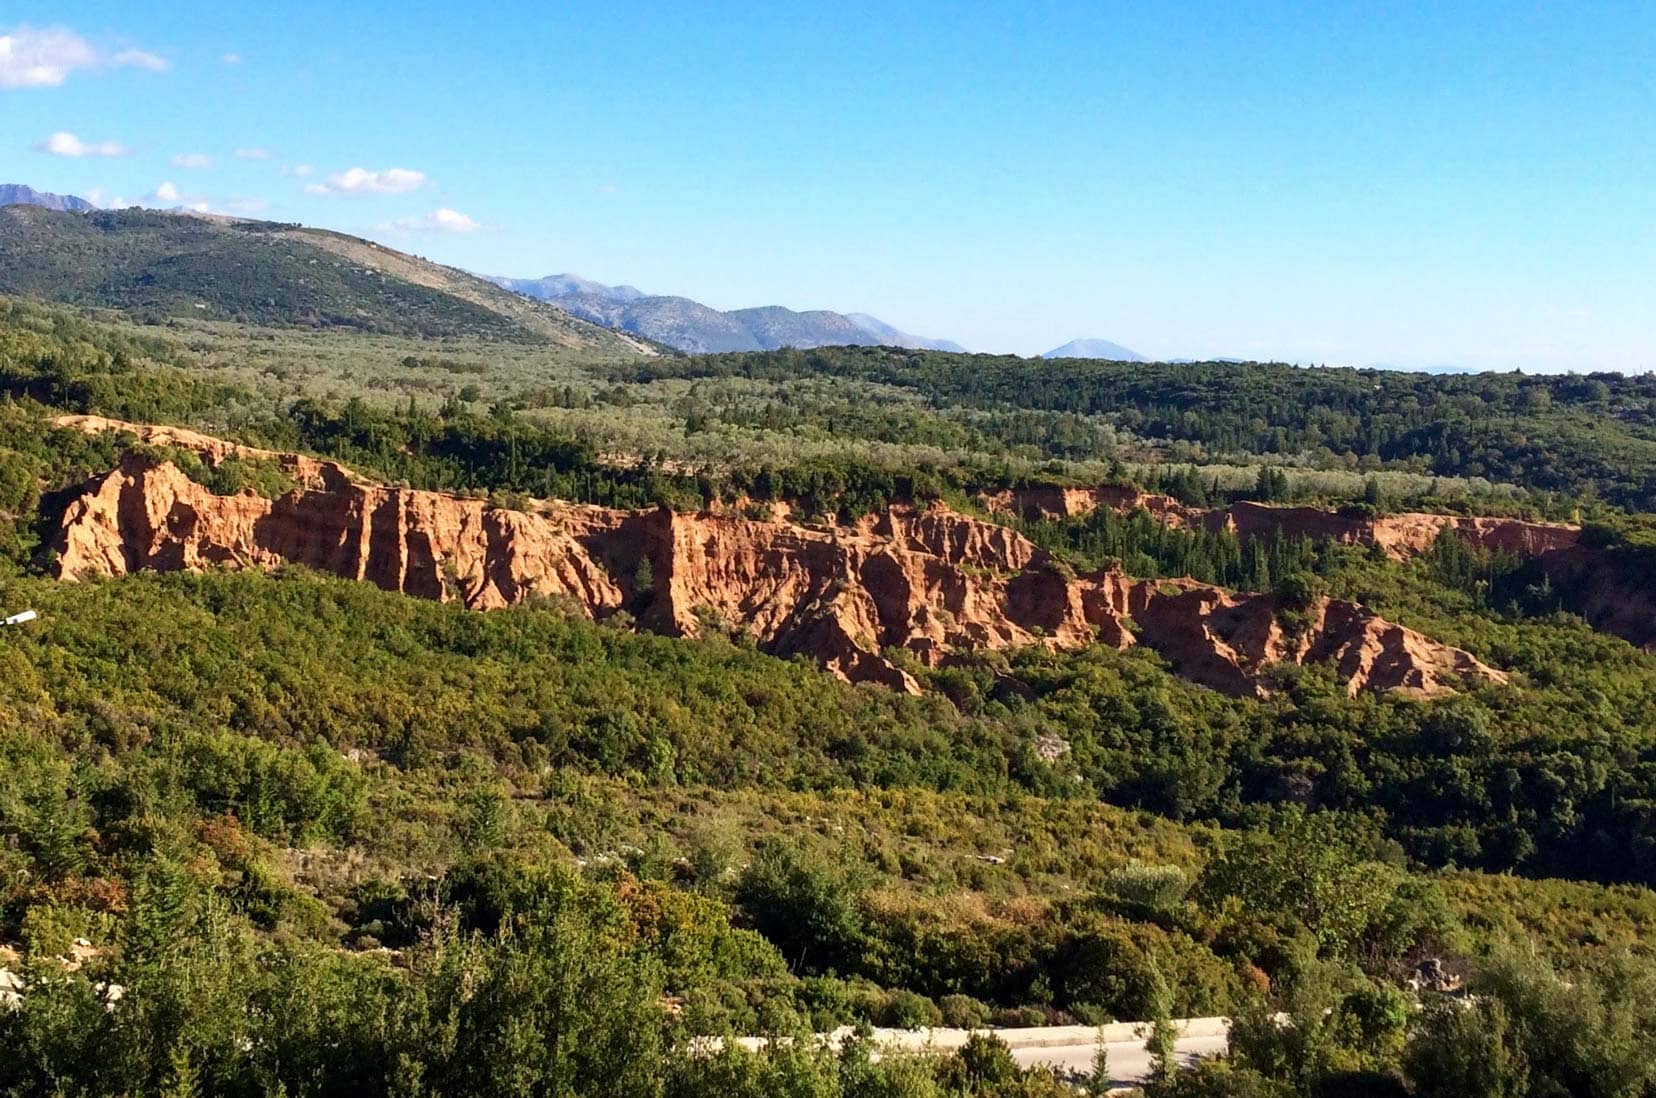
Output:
x,y
691,326
677,322
16,194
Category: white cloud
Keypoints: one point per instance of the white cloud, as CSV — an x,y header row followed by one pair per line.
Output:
x,y
141,59
253,154
170,196
442,220
44,57
192,160
64,143
232,59
363,181
304,171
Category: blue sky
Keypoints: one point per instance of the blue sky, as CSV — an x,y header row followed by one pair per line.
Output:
x,y
1452,183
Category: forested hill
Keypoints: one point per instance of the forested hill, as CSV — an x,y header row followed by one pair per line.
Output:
x,y
155,265
1546,432
290,834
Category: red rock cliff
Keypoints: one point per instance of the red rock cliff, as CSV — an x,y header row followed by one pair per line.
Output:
x,y
1610,598
925,580
1400,536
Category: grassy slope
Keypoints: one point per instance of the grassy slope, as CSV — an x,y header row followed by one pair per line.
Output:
x,y
161,264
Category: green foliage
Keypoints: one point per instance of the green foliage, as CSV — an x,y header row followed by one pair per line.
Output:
x,y
1098,1081
1467,1050
984,1063
578,848
1219,1079
1588,433
1310,869
1590,1031
1146,546
1147,888
963,1011
155,264
806,904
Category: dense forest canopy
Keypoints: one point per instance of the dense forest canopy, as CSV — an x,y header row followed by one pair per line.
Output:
x,y
1547,432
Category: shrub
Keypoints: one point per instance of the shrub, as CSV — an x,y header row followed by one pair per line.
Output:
x,y
963,1012
1147,888
910,1010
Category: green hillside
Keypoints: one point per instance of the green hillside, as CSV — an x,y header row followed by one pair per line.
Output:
x,y
328,840
154,265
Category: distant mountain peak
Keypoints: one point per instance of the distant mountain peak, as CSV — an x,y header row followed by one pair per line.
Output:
x,y
891,337
1095,348
567,285
19,194
691,326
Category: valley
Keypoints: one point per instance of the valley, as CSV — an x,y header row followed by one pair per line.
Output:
x,y
390,649
854,646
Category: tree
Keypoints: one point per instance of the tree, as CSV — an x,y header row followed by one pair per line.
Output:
x,y
807,905
560,1008
1589,1031
1466,1050
1163,1040
1299,591
982,1065
1307,868
181,1080
1098,1082
1271,485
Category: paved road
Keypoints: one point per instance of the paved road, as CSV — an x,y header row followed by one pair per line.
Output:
x,y
1129,1061
1069,1049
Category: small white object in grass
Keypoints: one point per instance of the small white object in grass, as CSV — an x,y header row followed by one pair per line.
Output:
x,y
19,619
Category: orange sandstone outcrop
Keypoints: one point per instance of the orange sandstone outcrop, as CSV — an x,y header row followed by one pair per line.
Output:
x,y
1399,536
311,472
148,515
1055,503
928,581
1226,641
1612,598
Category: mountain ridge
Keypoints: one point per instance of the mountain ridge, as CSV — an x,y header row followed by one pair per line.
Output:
x,y
688,325
21,194
156,264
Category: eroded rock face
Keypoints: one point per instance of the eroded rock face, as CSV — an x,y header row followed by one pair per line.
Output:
x,y
1399,536
148,515
1055,504
311,472
1610,598
929,581
1226,641
1616,600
